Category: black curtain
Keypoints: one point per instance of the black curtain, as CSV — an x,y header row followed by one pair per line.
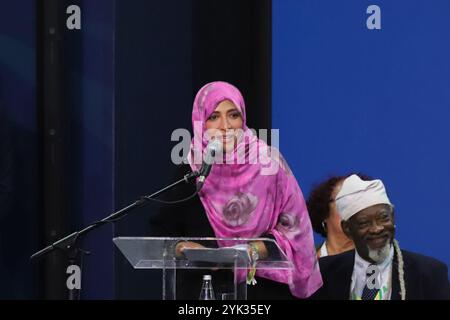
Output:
x,y
231,41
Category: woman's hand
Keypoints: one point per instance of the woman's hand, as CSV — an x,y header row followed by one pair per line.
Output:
x,y
179,248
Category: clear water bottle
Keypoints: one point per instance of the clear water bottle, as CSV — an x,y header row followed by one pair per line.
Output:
x,y
207,292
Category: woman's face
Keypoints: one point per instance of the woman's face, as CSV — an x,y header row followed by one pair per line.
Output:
x,y
224,123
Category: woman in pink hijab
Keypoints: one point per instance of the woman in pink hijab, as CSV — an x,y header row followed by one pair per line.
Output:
x,y
252,193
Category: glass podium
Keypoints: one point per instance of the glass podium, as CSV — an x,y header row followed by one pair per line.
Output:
x,y
216,254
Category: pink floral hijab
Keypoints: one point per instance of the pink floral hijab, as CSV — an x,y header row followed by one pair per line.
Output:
x,y
250,199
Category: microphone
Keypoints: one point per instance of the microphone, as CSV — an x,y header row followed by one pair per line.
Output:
x,y
213,147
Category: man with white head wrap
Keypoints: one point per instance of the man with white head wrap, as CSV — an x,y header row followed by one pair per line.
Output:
x,y
357,195
377,269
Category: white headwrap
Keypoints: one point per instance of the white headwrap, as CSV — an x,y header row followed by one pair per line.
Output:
x,y
356,195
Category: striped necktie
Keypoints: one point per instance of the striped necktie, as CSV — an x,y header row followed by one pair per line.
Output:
x,y
369,294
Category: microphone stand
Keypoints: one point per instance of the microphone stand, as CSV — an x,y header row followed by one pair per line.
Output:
x,y
69,243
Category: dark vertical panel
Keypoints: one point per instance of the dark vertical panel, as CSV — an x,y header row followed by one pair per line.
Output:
x,y
90,104
54,124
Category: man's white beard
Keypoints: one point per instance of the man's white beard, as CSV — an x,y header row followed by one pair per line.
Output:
x,y
379,255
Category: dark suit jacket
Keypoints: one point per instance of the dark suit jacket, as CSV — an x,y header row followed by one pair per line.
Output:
x,y
425,277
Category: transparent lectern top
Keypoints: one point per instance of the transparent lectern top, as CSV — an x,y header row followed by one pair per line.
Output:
x,y
220,253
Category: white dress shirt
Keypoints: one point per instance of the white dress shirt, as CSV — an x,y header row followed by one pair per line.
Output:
x,y
323,250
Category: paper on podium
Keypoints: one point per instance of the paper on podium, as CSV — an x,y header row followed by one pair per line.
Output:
x,y
218,255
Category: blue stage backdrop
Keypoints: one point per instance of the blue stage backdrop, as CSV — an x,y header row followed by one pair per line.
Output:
x,y
19,235
347,98
90,103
